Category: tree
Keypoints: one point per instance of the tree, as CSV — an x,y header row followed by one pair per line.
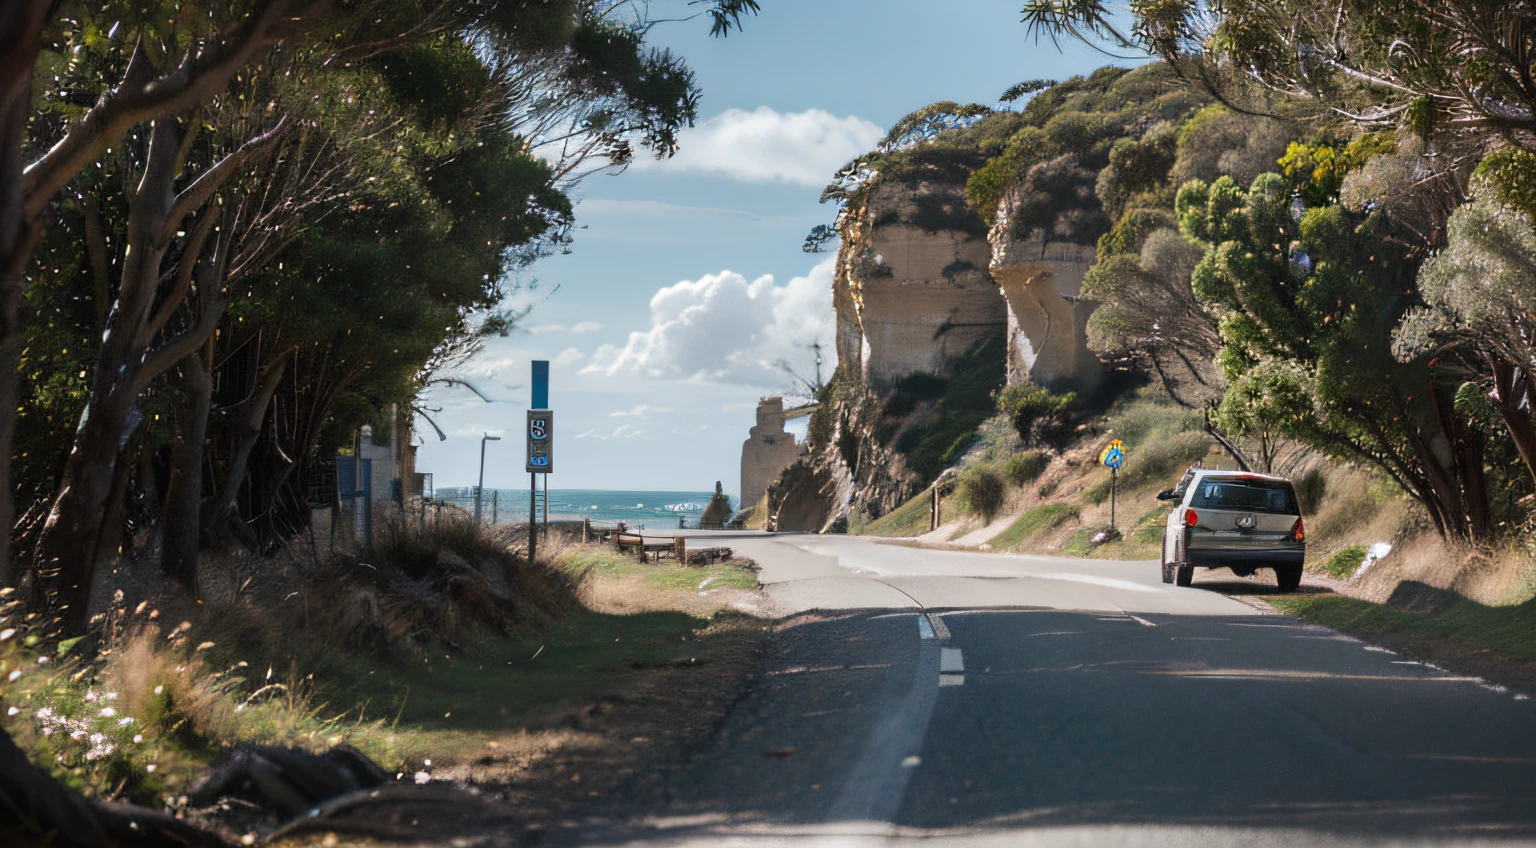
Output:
x,y
1458,74
1307,299
1148,312
1480,292
571,75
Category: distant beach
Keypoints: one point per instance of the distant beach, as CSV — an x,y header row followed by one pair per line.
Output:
x,y
659,509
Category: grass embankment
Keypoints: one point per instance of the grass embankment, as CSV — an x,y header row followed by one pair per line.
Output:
x,y
439,672
1497,642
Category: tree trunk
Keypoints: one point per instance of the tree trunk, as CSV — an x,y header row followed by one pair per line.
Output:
x,y
1513,386
180,524
35,809
248,430
66,557
21,23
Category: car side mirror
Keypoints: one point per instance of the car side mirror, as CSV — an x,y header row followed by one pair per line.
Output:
x,y
1167,495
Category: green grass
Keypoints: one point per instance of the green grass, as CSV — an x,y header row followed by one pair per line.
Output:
x,y
909,519
1081,543
525,682
1148,529
1460,626
1037,520
1343,563
581,562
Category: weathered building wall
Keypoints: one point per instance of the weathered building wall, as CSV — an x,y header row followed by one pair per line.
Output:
x,y
1041,282
767,451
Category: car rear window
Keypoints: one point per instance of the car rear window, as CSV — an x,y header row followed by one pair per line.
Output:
x,y
1247,493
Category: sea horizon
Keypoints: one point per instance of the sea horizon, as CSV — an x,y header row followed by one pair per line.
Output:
x,y
660,506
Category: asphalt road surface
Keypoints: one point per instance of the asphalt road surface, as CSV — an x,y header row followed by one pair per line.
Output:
x,y
1010,700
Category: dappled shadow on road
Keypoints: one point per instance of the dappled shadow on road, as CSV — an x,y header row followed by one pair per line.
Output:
x,y
1067,719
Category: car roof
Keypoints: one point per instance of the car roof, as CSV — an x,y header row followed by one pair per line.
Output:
x,y
1241,475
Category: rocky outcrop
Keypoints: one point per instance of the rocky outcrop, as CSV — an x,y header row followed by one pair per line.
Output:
x,y
768,450
912,290
1041,282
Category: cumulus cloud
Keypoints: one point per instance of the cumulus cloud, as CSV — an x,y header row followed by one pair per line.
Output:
x,y
587,327
769,146
724,328
570,356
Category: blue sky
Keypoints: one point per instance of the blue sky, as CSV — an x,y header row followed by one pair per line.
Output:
x,y
686,283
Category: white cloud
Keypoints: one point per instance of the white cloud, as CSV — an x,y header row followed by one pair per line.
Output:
x,y
587,327
623,431
570,356
769,146
722,328
640,411
541,329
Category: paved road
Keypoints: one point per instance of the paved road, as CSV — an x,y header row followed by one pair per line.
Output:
x,y
1009,700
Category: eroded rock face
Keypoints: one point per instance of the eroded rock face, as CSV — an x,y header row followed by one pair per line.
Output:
x,y
1041,282
912,290
768,450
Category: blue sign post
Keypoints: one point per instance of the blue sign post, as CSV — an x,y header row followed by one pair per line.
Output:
x,y
1112,457
541,450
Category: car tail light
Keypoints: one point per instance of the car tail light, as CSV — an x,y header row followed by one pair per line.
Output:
x,y
1191,518
1299,533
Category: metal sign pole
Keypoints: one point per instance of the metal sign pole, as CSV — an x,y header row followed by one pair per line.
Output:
x,y
1114,476
540,432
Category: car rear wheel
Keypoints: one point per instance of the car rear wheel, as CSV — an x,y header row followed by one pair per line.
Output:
x,y
1185,576
1288,577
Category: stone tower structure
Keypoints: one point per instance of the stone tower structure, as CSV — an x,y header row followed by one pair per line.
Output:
x,y
767,451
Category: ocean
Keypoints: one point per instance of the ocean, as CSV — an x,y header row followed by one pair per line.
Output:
x,y
659,509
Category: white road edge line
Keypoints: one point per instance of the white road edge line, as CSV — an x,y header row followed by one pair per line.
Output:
x,y
1141,620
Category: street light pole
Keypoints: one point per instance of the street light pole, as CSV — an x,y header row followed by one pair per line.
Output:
x,y
481,488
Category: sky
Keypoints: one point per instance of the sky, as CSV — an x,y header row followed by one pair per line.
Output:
x,y
686,286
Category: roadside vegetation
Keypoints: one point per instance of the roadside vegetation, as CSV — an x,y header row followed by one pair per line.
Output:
x,y
442,655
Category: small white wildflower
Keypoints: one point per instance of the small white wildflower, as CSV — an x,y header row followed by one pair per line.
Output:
x,y
98,738
90,695
137,738
125,721
108,712
76,734
159,689
150,767
110,696
44,714
47,731
423,777
14,676
12,711
7,633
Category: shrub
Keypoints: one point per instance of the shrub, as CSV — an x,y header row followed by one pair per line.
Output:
x,y
1025,468
1344,562
983,490
1310,489
1040,417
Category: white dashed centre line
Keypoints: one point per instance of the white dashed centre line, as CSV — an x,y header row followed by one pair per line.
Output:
x,y
950,659
951,667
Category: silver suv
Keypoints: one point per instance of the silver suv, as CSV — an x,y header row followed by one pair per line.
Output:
x,y
1236,520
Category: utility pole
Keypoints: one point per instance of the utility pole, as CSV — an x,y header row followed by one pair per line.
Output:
x,y
481,488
